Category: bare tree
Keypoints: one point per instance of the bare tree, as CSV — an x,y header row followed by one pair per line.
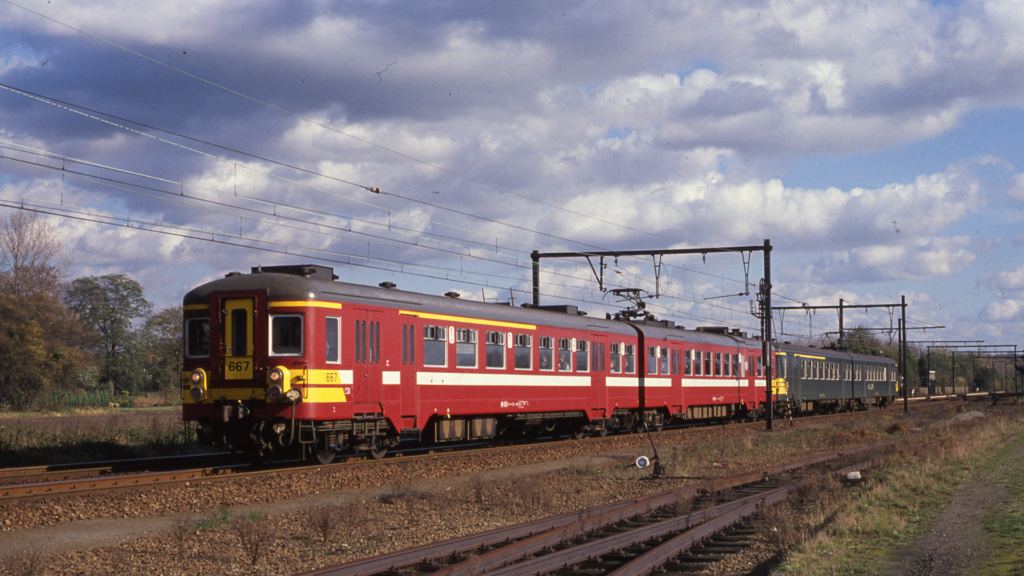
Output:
x,y
31,256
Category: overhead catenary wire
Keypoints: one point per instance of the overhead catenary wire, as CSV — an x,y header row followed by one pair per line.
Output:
x,y
73,108
356,138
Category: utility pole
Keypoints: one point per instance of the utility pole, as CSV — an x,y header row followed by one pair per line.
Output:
x,y
764,294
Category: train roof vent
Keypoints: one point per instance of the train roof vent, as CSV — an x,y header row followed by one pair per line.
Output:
x,y
452,295
388,285
713,329
563,308
660,323
308,270
230,274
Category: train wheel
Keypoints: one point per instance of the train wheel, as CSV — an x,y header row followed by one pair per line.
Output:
x,y
378,453
576,432
602,432
325,456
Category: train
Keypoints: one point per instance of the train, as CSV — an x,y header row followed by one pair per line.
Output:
x,y
289,360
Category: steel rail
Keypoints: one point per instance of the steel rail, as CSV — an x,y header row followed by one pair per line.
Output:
x,y
519,540
76,471
695,526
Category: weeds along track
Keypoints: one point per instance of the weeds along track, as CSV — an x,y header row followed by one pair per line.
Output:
x,y
622,538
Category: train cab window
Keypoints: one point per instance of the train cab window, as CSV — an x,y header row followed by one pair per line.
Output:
x,y
286,335
652,359
615,362
663,362
582,353
629,359
332,338
547,353
465,348
435,346
564,355
197,338
688,363
495,350
524,352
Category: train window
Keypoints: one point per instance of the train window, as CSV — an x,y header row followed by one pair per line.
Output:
x,y
332,339
239,333
663,363
737,361
197,338
435,346
600,357
582,350
286,335
652,359
698,363
847,371
409,345
629,359
718,363
615,362
727,365
495,350
564,355
524,356
465,348
688,363
547,354
708,360
677,362
760,367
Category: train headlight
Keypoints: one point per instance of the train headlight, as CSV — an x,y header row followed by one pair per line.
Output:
x,y
278,383
198,380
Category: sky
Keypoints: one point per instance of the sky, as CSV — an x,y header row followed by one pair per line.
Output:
x,y
436,144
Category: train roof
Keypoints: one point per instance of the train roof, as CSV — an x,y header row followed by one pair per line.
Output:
x,y
312,282
831,354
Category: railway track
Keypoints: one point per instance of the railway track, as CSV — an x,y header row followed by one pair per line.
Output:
x,y
86,470
43,482
623,538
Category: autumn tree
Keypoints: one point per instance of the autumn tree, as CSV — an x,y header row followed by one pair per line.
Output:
x,y
42,349
163,335
31,256
107,307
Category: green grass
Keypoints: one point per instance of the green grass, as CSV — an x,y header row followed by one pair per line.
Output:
x,y
901,499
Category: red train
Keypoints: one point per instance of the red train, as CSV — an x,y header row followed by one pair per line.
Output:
x,y
286,358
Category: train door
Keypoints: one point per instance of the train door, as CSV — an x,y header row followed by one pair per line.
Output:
x,y
598,371
366,348
410,352
238,338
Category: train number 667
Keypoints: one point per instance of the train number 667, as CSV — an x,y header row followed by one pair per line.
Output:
x,y
238,366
